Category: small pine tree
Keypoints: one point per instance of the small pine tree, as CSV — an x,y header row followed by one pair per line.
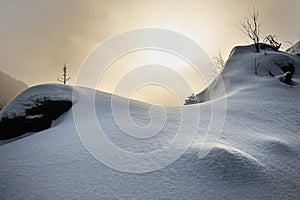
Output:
x,y
191,100
64,78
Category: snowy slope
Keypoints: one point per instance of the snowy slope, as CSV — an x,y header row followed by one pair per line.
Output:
x,y
257,155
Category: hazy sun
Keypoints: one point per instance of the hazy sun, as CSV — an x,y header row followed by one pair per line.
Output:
x,y
152,92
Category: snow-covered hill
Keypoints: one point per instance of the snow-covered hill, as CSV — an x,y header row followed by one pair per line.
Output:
x,y
257,155
247,69
9,88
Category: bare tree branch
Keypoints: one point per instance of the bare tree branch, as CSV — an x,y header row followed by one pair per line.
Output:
x,y
271,39
219,63
251,28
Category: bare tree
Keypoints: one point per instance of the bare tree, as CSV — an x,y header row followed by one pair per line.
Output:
x,y
64,78
272,40
251,28
219,62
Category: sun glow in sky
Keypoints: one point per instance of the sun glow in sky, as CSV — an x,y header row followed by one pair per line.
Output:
x,y
123,67
38,37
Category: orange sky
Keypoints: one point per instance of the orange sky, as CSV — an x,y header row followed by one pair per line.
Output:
x,y
38,37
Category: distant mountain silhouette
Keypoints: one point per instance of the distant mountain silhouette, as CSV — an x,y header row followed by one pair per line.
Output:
x,y
9,88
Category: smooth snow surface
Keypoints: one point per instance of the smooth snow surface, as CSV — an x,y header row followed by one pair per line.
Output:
x,y
257,155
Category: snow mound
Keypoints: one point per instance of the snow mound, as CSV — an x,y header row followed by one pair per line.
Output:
x,y
33,96
245,69
233,164
34,109
257,155
278,147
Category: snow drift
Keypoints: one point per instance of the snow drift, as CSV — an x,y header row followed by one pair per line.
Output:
x,y
257,155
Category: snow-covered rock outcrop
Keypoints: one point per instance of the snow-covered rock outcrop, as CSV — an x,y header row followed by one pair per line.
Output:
x,y
34,109
245,69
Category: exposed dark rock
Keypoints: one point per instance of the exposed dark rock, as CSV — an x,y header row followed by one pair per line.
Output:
x,y
288,68
265,46
287,78
37,118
